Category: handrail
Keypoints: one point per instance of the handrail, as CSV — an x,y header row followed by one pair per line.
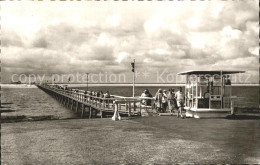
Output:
x,y
114,97
121,103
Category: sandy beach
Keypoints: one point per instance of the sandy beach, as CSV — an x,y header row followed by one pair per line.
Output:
x,y
146,140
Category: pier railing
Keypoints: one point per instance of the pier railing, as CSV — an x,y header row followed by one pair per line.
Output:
x,y
124,105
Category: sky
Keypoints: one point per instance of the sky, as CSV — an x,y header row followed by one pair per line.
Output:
x,y
164,38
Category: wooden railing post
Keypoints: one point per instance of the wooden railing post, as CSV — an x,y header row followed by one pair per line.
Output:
x,y
129,108
119,107
83,111
116,113
232,105
140,108
134,107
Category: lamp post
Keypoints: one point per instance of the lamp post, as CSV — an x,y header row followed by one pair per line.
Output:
x,y
87,81
133,70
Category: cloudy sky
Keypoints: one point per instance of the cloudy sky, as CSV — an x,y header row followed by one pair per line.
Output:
x,y
104,37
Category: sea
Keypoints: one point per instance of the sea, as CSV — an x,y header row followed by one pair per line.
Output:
x,y
31,101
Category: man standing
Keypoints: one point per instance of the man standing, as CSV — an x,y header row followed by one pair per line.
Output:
x,y
158,100
180,102
171,100
164,101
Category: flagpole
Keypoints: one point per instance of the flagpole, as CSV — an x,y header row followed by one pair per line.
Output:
x,y
134,80
87,81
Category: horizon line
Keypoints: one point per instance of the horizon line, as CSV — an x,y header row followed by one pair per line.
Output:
x,y
111,84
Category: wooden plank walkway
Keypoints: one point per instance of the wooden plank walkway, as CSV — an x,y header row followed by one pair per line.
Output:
x,y
91,106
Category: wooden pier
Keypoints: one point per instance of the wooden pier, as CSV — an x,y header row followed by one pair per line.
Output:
x,y
90,106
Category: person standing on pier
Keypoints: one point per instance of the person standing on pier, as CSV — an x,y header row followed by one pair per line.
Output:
x,y
164,101
180,102
97,93
158,99
90,94
143,95
85,95
107,95
171,100
146,102
149,101
101,95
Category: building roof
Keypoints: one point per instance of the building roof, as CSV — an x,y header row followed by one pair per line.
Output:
x,y
212,72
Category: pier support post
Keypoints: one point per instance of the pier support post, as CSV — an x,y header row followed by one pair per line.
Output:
x,y
68,102
116,113
90,112
83,111
95,113
77,107
63,100
101,114
72,103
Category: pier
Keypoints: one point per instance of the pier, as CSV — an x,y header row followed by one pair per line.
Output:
x,y
90,106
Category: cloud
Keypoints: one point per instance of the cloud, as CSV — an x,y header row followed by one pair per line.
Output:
x,y
10,38
40,43
176,36
113,20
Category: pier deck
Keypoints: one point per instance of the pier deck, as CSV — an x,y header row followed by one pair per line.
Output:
x,y
92,106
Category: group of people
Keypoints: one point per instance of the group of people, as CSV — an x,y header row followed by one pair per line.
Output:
x,y
99,94
173,100
164,100
90,93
